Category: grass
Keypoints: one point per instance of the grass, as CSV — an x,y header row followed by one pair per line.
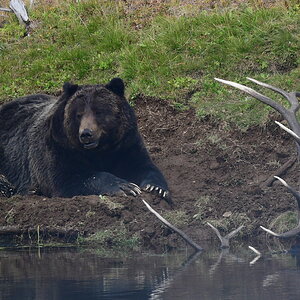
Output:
x,y
115,237
111,205
177,218
166,56
202,207
284,222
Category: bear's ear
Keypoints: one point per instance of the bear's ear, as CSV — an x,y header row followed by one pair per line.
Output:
x,y
116,85
70,89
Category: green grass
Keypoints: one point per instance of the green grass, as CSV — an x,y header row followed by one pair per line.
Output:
x,y
177,218
284,222
175,58
117,236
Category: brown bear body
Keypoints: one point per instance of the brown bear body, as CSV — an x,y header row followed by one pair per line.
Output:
x,y
84,142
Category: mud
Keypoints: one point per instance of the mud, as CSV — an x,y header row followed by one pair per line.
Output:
x,y
215,174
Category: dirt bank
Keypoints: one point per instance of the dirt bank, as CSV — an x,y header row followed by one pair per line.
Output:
x,y
211,172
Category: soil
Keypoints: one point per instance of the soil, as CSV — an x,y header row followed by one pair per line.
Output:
x,y
214,174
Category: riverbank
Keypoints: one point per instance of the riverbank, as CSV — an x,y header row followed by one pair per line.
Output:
x,y
216,174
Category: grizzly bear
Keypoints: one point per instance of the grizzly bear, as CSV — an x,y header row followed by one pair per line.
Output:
x,y
84,142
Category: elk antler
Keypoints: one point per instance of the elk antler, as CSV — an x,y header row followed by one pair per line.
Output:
x,y
258,255
289,114
225,239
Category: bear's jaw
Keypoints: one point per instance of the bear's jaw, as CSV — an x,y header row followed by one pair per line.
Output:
x,y
91,145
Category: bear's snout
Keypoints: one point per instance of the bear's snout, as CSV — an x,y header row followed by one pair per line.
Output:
x,y
89,132
86,135
87,138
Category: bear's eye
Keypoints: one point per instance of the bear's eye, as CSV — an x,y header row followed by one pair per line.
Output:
x,y
78,116
99,114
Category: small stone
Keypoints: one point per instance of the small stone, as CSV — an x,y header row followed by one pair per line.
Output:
x,y
227,214
214,165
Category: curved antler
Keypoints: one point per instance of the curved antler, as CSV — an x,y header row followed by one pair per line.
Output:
x,y
289,114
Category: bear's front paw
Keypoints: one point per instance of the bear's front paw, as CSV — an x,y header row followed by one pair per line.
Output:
x,y
158,190
104,183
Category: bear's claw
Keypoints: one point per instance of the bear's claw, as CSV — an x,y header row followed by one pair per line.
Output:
x,y
160,191
131,188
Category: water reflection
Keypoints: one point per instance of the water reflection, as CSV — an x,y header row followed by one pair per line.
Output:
x,y
74,274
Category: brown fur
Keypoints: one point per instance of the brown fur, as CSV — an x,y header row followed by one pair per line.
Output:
x,y
84,142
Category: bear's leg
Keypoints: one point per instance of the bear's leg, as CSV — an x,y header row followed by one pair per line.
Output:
x,y
99,183
107,184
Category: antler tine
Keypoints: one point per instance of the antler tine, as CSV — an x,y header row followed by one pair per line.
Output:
x,y
291,132
295,193
293,232
216,231
256,95
225,239
234,232
291,97
255,250
181,233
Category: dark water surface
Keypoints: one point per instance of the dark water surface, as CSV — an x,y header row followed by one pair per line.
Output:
x,y
64,274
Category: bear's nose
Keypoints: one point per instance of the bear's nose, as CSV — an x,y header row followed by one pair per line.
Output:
x,y
86,135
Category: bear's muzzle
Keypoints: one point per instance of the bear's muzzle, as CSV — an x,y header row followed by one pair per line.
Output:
x,y
88,140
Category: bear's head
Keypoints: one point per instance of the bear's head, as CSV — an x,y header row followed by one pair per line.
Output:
x,y
93,116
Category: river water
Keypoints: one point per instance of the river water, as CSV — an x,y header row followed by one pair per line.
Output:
x,y
79,274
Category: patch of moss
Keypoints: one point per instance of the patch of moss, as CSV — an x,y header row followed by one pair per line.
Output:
x,y
177,218
284,222
115,237
110,204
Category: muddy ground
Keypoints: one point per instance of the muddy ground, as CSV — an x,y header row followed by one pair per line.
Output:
x,y
214,175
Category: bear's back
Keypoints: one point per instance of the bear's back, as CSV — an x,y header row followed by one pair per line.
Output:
x,y
21,111
16,119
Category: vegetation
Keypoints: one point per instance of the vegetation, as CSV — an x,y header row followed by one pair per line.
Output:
x,y
111,205
284,222
117,236
172,54
232,222
177,217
